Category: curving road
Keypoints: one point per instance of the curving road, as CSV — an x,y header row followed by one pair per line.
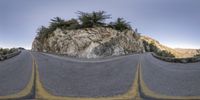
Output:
x,y
15,74
86,78
170,79
95,78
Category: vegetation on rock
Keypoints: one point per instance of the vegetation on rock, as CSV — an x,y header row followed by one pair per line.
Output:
x,y
90,31
94,19
151,47
120,24
85,20
90,42
165,53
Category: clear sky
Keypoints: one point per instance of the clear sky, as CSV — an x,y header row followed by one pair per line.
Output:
x,y
175,23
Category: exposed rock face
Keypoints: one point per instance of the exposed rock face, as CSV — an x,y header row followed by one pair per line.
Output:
x,y
90,42
178,53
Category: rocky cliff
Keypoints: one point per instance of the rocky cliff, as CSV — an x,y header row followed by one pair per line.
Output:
x,y
90,37
90,42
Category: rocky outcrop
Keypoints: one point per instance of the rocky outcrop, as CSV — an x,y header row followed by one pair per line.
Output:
x,y
178,53
177,60
90,42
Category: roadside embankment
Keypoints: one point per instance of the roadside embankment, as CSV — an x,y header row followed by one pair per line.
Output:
x,y
177,60
10,55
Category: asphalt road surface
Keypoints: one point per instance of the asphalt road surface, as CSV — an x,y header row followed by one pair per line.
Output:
x,y
86,78
171,79
72,77
15,73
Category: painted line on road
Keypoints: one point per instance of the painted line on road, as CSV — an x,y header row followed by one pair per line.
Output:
x,y
26,91
41,93
151,94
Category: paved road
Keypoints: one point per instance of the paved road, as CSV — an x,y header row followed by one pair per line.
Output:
x,y
63,76
86,78
171,79
15,73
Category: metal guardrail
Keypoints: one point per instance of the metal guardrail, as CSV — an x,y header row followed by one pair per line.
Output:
x,y
4,57
177,60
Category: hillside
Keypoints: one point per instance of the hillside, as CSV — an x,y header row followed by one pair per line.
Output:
x,y
186,52
101,42
90,37
178,53
90,43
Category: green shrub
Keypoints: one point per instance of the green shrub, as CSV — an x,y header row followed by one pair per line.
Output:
x,y
94,19
71,24
120,24
153,47
7,51
87,20
165,53
146,45
56,22
42,33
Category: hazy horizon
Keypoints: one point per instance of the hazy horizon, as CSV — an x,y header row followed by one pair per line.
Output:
x,y
173,23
